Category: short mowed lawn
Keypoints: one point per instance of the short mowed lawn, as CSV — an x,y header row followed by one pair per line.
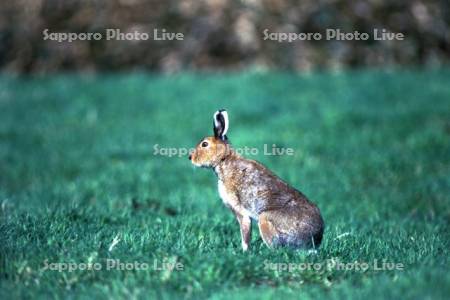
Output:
x,y
82,181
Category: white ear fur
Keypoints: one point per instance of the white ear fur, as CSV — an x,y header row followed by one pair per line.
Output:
x,y
225,120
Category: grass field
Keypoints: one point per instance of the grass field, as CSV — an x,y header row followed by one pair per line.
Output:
x,y
78,170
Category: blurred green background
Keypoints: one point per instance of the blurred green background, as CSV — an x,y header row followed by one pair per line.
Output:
x,y
369,122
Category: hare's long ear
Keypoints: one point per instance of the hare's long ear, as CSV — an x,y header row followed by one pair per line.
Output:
x,y
221,124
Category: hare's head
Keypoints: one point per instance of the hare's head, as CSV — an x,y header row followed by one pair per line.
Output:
x,y
212,150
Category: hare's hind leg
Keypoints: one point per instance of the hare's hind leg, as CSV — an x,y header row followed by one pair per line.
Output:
x,y
267,230
288,227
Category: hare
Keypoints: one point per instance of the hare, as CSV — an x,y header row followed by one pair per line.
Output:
x,y
284,215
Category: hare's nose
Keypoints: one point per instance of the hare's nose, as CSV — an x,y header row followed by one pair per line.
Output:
x,y
190,156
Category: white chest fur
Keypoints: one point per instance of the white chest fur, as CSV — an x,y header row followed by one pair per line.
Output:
x,y
226,197
231,201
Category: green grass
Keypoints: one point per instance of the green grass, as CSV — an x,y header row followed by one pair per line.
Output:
x,y
77,169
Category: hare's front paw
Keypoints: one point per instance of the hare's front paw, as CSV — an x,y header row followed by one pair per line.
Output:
x,y
244,246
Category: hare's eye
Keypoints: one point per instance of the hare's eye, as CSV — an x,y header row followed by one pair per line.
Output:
x,y
205,144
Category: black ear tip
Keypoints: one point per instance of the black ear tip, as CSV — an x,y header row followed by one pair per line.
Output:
x,y
222,110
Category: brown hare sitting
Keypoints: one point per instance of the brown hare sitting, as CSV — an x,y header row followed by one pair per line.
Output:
x,y
285,216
